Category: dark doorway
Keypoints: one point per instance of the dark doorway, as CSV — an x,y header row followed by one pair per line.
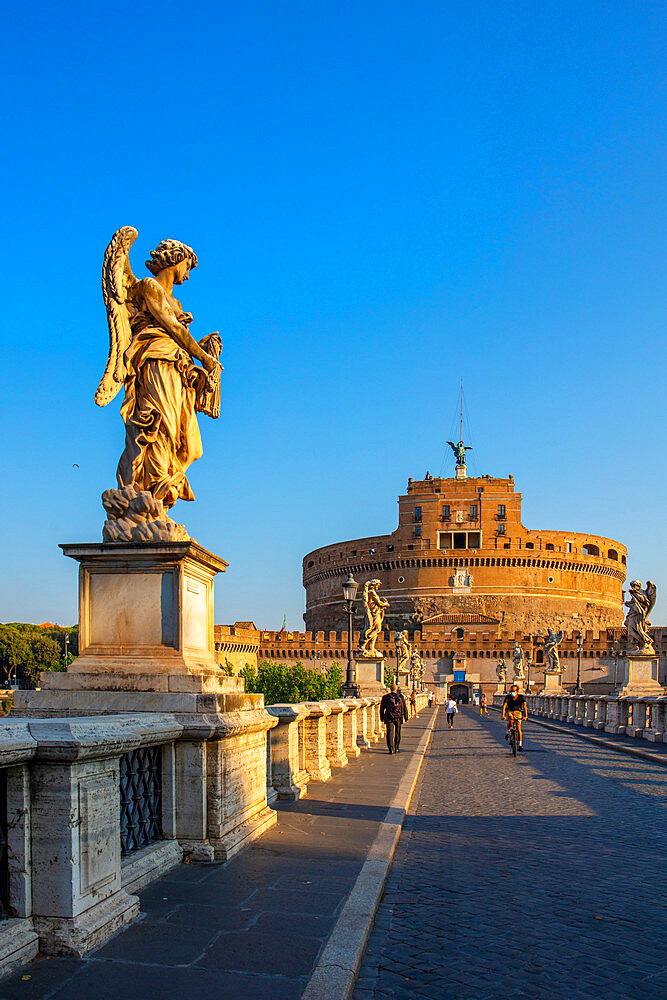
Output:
x,y
459,692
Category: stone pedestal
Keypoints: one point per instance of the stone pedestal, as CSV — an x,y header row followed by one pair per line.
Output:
x,y
370,675
145,620
639,676
146,645
553,682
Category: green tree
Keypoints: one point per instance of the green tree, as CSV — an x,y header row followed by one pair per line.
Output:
x,y
285,683
44,655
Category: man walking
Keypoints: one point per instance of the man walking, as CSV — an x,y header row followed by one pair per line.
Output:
x,y
450,711
483,710
393,712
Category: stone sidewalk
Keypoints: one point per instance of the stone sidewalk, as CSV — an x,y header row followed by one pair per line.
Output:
x,y
251,928
542,877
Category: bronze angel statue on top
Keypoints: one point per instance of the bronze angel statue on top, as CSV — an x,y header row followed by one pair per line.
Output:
x,y
152,355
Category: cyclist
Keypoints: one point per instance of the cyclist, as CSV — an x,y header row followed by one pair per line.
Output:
x,y
515,708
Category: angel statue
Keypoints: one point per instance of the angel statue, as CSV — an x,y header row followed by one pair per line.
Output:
x,y
403,651
460,452
375,607
517,661
501,671
639,606
152,355
552,641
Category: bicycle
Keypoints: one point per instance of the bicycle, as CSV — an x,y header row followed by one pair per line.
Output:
x,y
513,736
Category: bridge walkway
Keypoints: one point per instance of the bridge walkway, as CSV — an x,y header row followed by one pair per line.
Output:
x,y
543,877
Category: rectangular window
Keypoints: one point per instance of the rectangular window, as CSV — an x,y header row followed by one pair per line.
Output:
x,y
568,546
501,529
473,511
418,530
501,510
473,540
418,513
390,548
445,539
445,511
530,545
460,539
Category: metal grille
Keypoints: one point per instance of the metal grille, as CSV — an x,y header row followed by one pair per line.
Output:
x,y
4,860
140,798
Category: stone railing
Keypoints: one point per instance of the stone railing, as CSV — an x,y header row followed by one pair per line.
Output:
x,y
640,717
314,737
93,808
90,815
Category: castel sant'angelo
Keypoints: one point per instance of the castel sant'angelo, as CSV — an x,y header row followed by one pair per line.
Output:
x,y
460,548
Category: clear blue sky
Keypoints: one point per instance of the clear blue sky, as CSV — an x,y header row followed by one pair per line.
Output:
x,y
384,197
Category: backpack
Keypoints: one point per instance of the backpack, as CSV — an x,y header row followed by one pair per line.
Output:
x,y
394,708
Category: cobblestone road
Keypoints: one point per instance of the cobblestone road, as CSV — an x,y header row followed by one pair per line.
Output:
x,y
543,877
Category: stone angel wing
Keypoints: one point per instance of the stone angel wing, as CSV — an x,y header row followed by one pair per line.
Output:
x,y
651,593
117,282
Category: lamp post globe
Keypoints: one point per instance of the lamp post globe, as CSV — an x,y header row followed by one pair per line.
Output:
x,y
350,587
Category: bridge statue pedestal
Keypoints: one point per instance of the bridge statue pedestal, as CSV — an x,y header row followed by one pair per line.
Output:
x,y
553,682
640,676
146,645
370,675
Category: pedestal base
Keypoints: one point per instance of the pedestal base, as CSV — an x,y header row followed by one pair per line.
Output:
x,y
553,682
370,675
145,619
639,676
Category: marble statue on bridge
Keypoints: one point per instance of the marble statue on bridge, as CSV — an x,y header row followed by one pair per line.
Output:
x,y
517,661
152,356
639,606
375,608
501,671
551,655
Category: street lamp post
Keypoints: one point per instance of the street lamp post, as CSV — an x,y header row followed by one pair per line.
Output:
x,y
397,644
350,587
580,643
66,645
529,663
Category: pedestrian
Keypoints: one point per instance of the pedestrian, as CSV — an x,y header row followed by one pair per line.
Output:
x,y
393,712
413,705
483,710
450,711
430,699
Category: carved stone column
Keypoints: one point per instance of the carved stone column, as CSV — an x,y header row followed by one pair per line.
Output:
x,y
288,773
335,742
317,763
350,728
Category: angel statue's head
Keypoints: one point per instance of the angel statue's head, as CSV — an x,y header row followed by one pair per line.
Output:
x,y
170,253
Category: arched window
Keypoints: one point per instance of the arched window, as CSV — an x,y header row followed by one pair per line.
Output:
x,y
459,633
612,554
591,550
623,560
539,656
549,547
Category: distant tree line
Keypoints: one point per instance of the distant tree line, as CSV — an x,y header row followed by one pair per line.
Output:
x,y
281,682
26,650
